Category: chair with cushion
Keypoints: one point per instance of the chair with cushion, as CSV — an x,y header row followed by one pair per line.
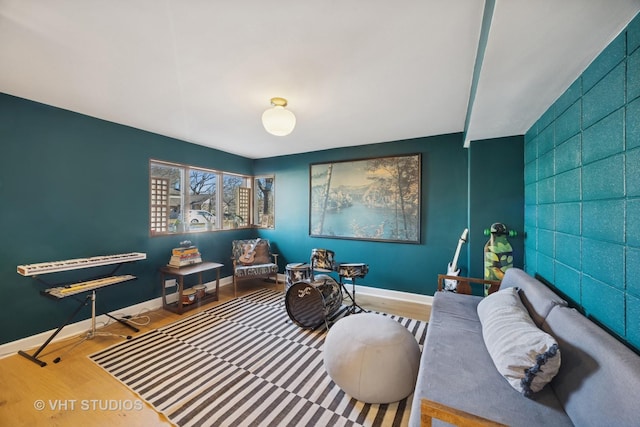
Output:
x,y
252,259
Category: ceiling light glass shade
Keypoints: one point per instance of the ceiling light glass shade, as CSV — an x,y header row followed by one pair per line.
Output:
x,y
278,120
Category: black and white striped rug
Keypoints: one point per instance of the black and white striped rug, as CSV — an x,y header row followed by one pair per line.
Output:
x,y
243,363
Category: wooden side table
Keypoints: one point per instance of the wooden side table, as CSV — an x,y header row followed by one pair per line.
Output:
x,y
180,273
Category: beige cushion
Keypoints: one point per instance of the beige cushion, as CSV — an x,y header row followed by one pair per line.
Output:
x,y
262,252
372,358
526,356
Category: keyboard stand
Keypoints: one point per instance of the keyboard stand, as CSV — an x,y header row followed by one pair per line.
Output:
x,y
90,334
34,357
72,290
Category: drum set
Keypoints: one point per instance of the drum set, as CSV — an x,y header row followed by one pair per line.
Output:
x,y
310,299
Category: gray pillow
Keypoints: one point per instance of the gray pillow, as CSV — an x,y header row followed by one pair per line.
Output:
x,y
526,356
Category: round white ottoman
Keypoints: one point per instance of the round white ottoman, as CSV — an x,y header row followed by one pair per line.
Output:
x,y
372,358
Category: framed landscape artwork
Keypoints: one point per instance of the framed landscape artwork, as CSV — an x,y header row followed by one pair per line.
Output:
x,y
368,199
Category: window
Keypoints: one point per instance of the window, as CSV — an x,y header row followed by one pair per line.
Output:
x,y
166,198
202,199
236,201
160,204
264,203
186,199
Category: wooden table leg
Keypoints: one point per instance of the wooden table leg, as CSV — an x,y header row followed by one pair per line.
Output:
x,y
164,290
180,290
217,284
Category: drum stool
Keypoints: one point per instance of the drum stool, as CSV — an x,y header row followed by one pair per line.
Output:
x,y
372,358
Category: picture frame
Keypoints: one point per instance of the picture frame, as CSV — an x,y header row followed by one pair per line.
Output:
x,y
377,199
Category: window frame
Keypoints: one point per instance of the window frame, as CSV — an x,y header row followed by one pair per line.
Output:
x,y
244,191
270,221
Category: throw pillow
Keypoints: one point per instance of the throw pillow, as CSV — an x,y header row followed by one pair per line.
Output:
x,y
262,252
526,356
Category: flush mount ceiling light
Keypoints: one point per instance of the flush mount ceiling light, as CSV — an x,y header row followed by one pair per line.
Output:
x,y
278,120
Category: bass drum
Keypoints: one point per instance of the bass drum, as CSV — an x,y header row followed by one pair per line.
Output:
x,y
309,304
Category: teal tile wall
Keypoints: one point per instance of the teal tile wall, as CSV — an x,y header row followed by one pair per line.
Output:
x,y
633,123
571,277
632,172
545,141
633,75
604,138
633,314
633,271
568,154
546,165
568,186
582,190
547,190
568,124
569,97
633,222
603,220
546,242
568,251
546,216
603,261
568,218
604,98
633,35
603,179
545,265
610,57
604,304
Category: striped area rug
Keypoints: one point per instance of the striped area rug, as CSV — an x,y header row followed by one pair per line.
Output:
x,y
243,363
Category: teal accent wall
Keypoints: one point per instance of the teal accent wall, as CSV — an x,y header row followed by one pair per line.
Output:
x,y
72,186
582,189
496,194
445,208
396,266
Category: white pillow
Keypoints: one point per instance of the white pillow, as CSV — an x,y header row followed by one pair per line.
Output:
x,y
526,356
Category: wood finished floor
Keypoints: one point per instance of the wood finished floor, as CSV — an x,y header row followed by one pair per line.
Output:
x,y
76,392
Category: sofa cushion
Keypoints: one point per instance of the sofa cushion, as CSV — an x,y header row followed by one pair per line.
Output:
x,y
599,380
456,370
536,297
526,356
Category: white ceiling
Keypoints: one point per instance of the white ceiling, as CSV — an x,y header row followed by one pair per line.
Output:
x,y
354,72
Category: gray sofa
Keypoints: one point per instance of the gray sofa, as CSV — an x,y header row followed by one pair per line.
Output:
x,y
598,382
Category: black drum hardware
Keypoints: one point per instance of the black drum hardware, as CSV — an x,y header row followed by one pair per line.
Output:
x,y
311,300
351,271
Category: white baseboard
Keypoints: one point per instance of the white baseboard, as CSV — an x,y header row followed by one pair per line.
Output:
x,y
33,342
394,295
384,293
